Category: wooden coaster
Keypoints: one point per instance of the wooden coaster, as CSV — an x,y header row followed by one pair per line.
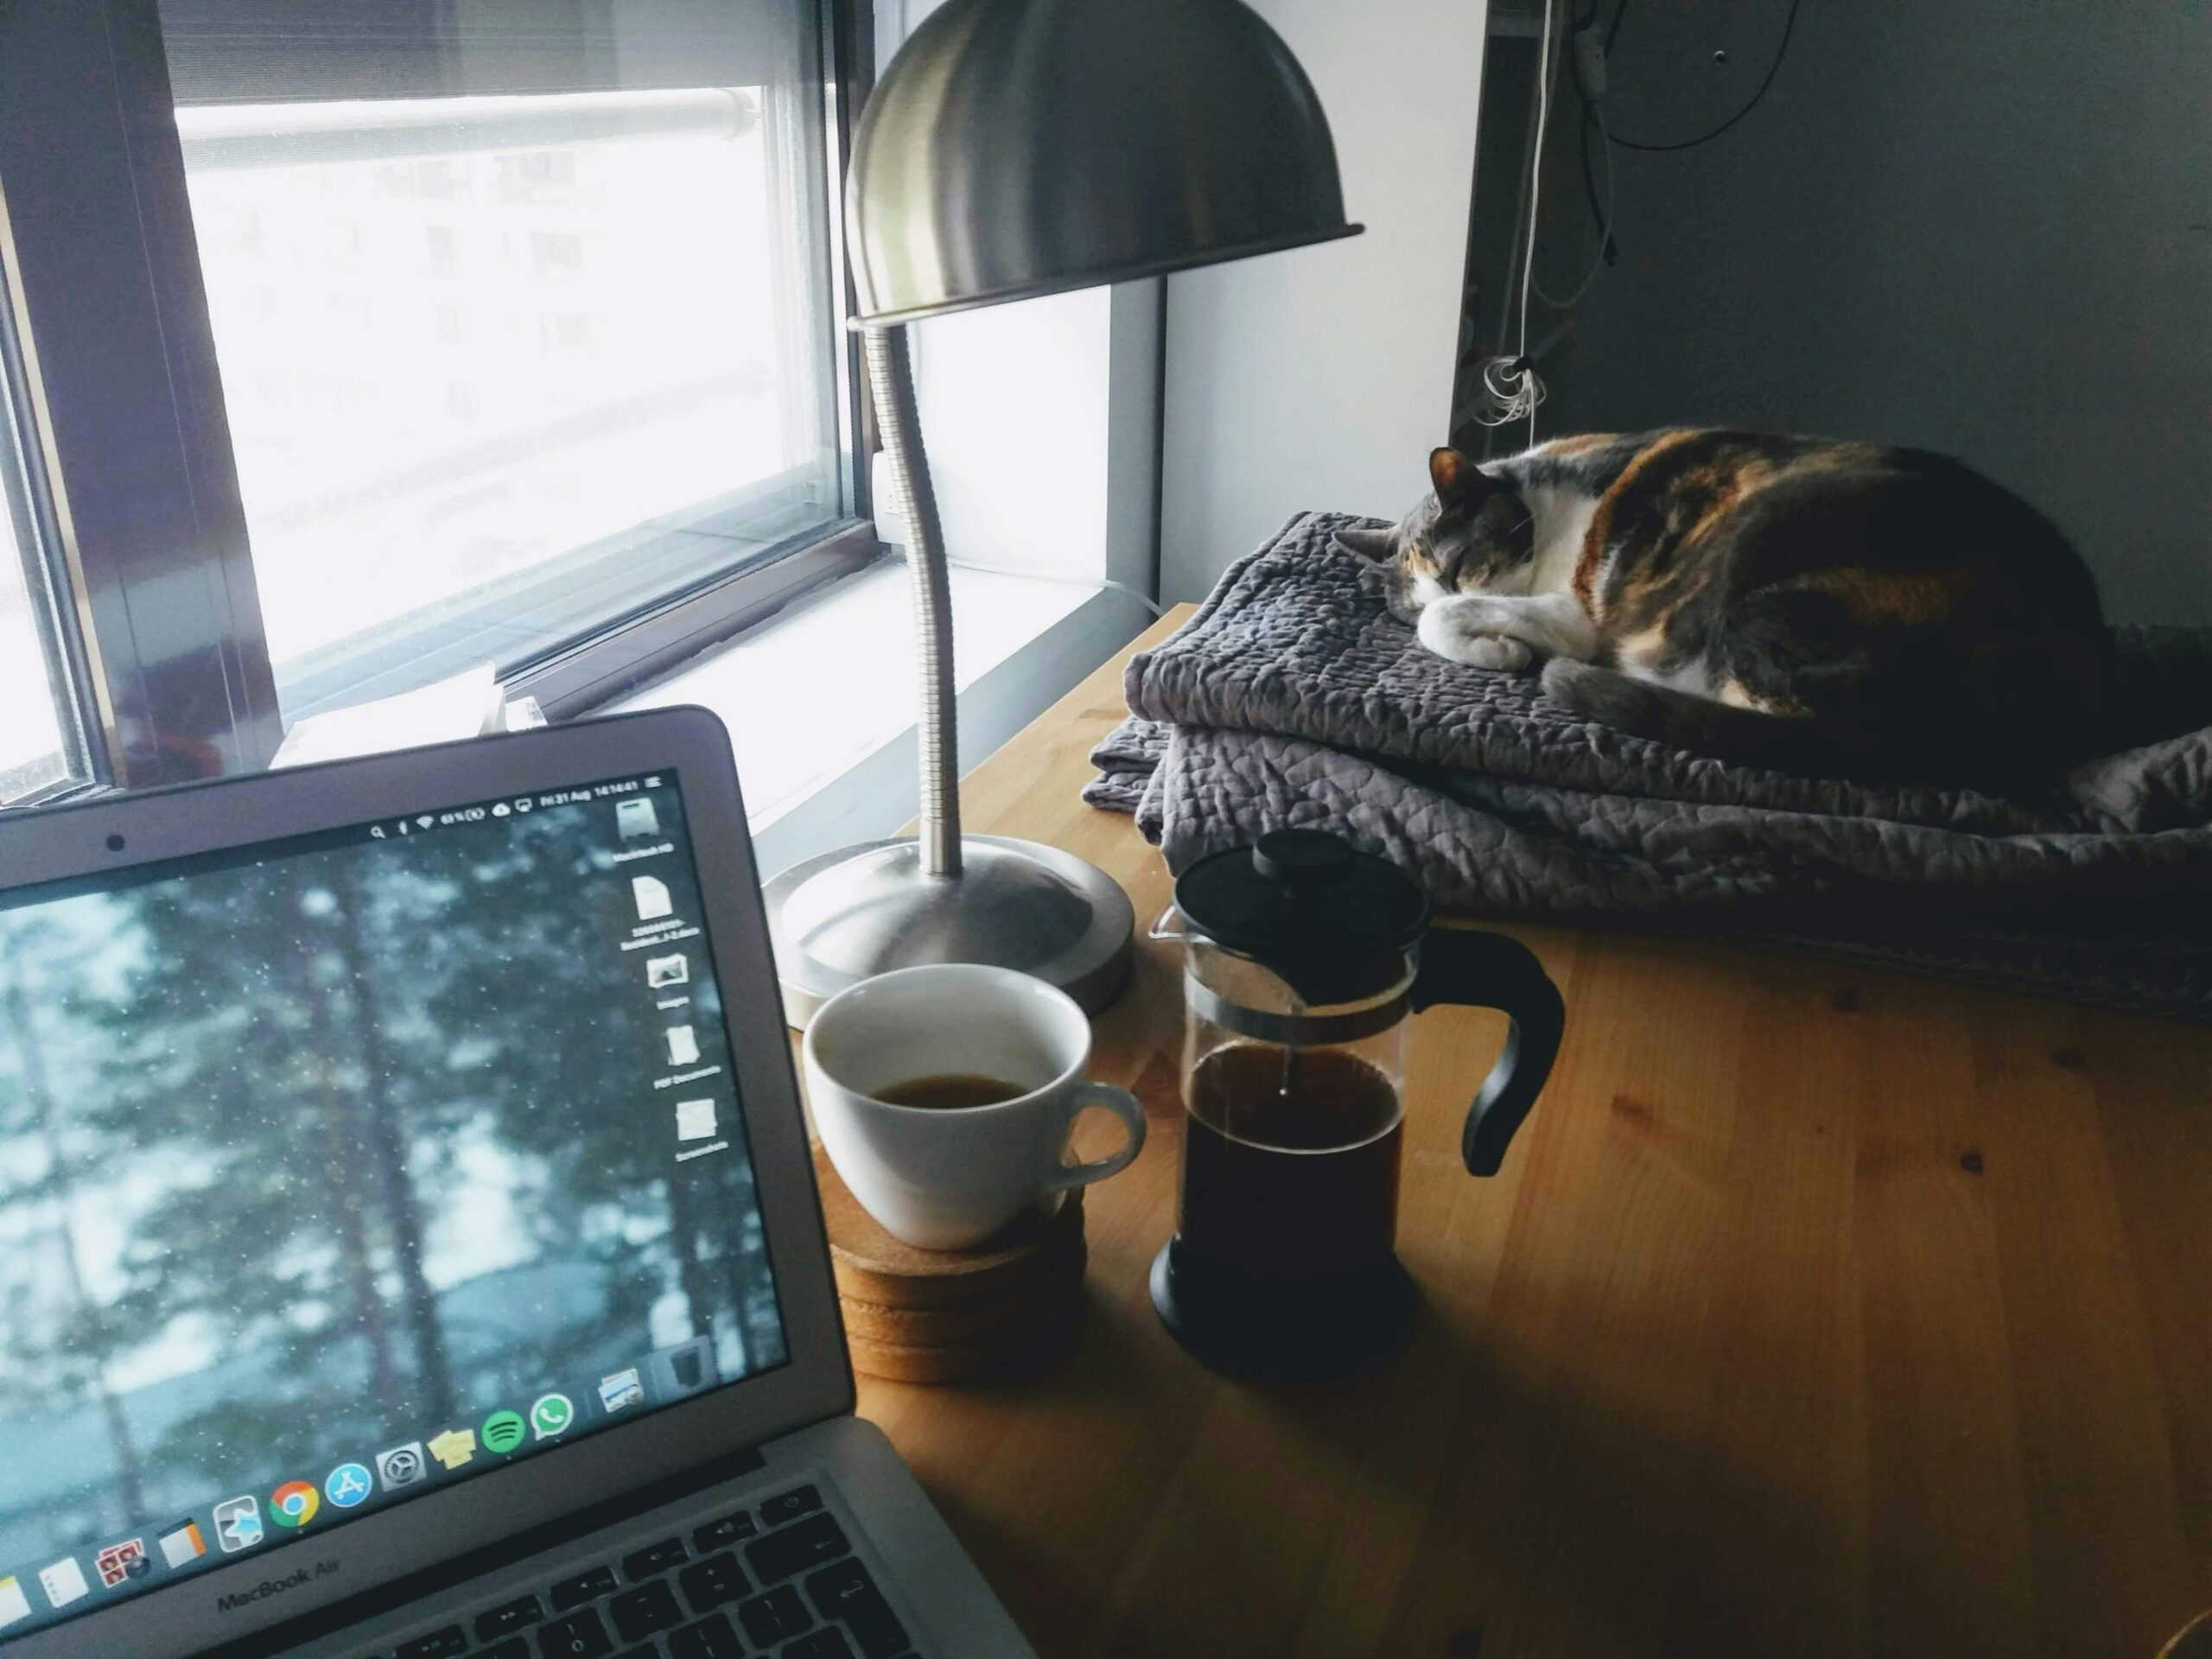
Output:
x,y
935,1327
874,1268
935,1316
1029,1344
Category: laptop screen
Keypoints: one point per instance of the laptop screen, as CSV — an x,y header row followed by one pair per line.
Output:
x,y
339,1169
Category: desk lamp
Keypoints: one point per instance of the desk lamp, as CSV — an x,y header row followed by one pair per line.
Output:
x,y
1016,148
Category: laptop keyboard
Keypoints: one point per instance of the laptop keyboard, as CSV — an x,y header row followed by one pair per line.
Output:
x,y
779,1578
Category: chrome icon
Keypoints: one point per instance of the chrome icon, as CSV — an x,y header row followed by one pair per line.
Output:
x,y
294,1504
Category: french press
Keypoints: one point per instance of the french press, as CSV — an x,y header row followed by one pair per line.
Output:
x,y
1303,961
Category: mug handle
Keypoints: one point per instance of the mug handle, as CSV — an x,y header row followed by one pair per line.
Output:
x,y
1123,1105
1488,970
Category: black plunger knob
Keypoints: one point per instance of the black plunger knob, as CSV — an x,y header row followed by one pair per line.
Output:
x,y
1302,859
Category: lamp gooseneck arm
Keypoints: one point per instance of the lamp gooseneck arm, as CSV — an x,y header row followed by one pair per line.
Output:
x,y
890,378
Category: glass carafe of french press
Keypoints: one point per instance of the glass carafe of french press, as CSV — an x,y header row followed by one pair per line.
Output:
x,y
1304,961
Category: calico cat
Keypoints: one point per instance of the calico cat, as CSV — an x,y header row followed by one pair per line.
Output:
x,y
1829,608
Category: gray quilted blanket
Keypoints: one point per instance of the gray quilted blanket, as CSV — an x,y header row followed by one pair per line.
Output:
x,y
1294,697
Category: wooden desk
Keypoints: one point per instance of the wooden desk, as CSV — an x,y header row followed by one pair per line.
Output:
x,y
1817,1311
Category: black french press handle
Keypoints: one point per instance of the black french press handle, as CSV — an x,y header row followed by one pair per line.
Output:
x,y
1488,970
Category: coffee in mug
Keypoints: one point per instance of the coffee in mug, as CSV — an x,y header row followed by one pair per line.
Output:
x,y
951,1091
944,1095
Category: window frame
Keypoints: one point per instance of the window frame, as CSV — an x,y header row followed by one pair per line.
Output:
x,y
29,508
163,645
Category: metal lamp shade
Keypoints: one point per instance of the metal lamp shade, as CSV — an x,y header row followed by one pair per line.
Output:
x,y
1022,147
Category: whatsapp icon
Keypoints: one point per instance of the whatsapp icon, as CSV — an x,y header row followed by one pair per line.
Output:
x,y
552,1415
503,1432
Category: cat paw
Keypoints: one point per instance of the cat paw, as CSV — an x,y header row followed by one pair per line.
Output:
x,y
1559,676
1495,651
1444,632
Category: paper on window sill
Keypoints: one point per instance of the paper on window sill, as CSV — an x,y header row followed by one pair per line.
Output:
x,y
468,704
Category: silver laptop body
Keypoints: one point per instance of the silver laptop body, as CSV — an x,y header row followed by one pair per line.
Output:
x,y
409,1244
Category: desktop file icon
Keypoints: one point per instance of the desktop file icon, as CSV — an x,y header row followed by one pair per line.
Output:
x,y
651,894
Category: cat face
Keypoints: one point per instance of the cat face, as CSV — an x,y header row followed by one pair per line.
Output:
x,y
1472,533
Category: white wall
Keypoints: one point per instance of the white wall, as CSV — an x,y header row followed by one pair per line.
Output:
x,y
1322,378
1041,420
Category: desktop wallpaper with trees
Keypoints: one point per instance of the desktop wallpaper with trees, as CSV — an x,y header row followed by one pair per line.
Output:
x,y
304,1158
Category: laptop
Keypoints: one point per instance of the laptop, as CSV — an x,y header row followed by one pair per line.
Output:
x,y
409,1244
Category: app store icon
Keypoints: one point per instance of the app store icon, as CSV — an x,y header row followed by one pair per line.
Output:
x,y
347,1485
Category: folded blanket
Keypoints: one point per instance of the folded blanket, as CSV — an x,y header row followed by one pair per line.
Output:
x,y
1293,697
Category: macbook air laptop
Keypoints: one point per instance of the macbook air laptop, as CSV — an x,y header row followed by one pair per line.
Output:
x,y
409,1244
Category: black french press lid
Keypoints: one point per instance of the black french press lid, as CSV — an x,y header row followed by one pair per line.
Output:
x,y
1331,921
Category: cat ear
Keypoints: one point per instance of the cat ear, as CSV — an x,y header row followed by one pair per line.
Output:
x,y
1456,477
1376,544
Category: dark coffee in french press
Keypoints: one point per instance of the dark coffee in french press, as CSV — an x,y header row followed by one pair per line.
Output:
x,y
1290,1162
1304,961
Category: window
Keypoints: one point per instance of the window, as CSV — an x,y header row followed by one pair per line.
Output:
x,y
32,757
507,363
388,338
41,746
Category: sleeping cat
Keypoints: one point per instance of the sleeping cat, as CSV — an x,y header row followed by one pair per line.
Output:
x,y
1831,608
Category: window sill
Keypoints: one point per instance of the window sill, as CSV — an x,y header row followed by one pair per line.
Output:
x,y
820,700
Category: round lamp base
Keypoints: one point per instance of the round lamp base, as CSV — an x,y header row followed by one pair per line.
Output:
x,y
849,915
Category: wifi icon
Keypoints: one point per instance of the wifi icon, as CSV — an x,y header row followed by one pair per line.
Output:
x,y
425,821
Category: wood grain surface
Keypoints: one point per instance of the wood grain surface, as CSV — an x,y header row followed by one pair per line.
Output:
x,y
1816,1312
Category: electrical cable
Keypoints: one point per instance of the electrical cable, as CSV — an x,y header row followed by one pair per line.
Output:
x,y
1604,257
1598,214
1510,388
1781,51
1580,62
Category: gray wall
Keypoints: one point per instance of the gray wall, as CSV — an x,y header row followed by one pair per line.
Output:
x,y
1982,226
1323,377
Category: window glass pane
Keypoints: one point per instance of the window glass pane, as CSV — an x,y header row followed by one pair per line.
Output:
x,y
38,749
523,322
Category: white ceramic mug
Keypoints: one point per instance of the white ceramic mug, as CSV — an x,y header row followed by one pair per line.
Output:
x,y
944,1178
